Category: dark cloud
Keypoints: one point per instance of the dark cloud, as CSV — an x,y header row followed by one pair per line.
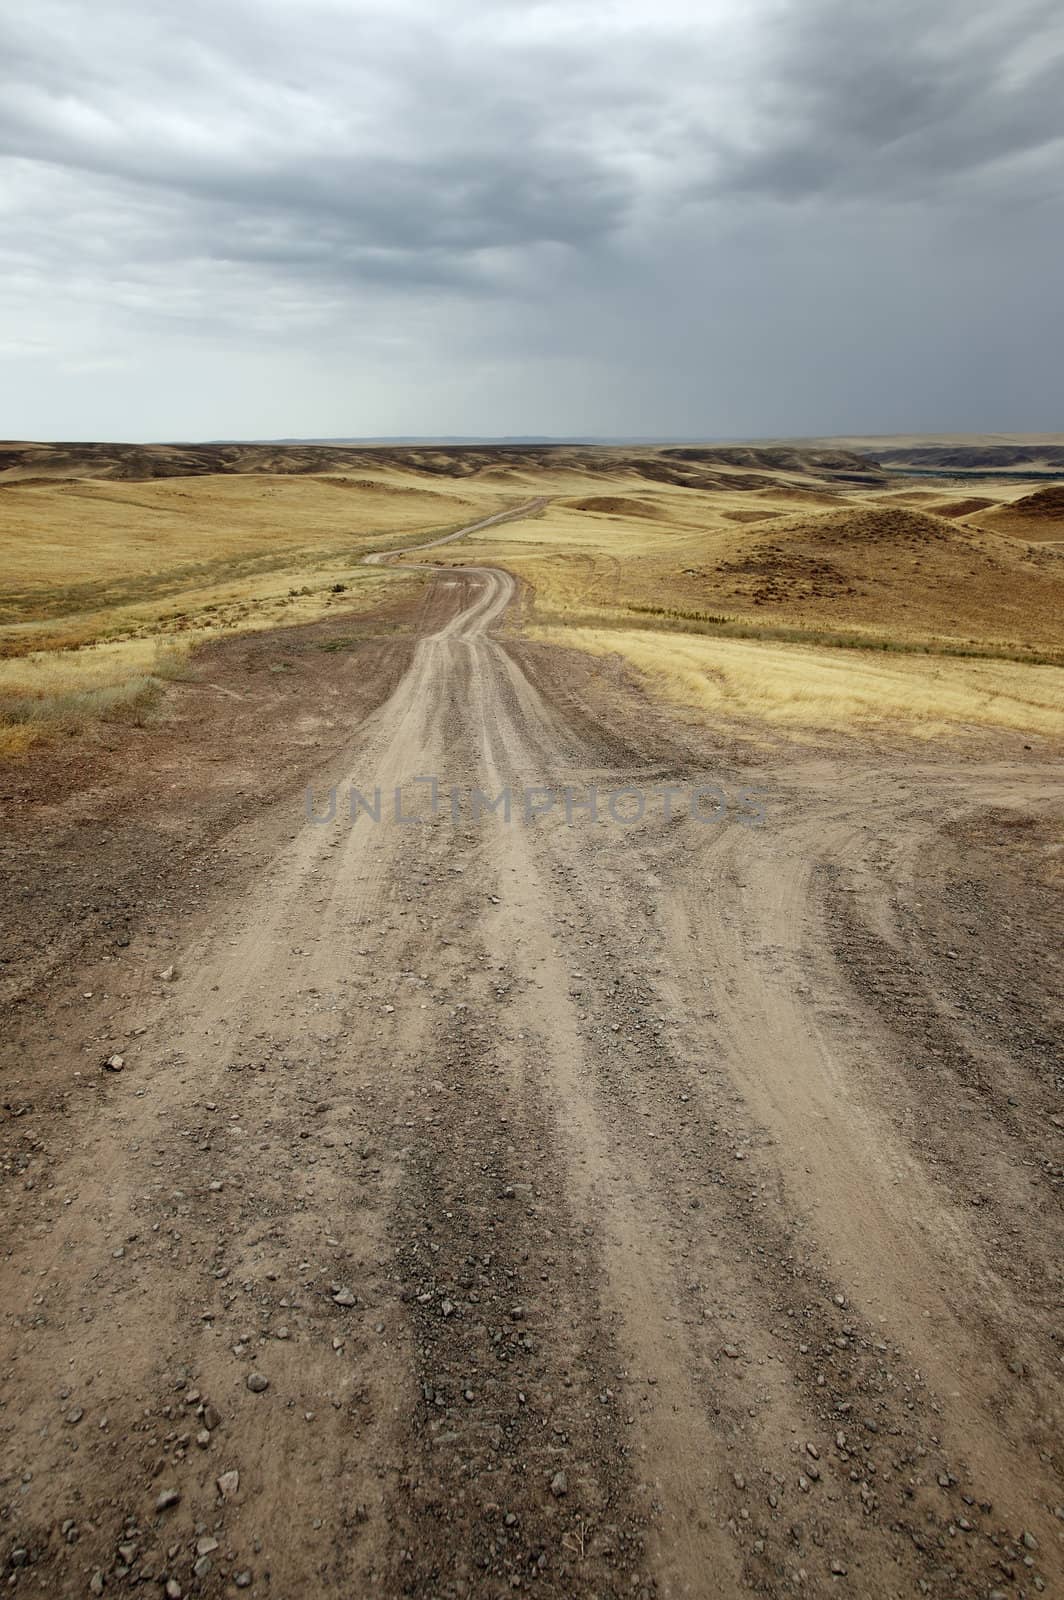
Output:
x,y
504,215
900,100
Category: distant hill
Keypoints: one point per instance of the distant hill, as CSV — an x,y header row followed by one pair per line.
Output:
x,y
1015,455
974,458
1038,516
694,467
888,566
503,441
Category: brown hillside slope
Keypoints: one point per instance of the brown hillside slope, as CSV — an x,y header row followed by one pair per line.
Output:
x,y
965,507
898,571
885,573
1038,516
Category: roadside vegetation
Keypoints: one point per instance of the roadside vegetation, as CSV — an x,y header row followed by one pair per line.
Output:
x,y
811,611
110,587
762,589
57,691
809,687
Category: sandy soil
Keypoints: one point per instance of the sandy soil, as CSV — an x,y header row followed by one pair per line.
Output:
x,y
584,1208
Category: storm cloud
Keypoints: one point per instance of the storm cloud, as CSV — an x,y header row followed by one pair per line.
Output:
x,y
326,217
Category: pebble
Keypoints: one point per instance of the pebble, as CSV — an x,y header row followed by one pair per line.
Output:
x,y
559,1485
167,974
115,1063
167,1498
229,1483
731,1351
257,1382
344,1297
243,1580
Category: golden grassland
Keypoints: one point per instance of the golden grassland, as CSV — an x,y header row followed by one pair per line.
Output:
x,y
108,586
805,687
788,598
49,690
798,607
72,553
829,565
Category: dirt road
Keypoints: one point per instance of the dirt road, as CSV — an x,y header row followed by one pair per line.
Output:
x,y
586,1206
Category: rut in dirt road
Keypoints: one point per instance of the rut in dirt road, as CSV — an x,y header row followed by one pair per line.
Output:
x,y
489,1206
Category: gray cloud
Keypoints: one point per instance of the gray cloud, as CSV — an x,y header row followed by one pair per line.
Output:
x,y
468,215
901,100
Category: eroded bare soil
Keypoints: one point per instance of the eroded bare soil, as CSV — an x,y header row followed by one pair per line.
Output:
x,y
574,1207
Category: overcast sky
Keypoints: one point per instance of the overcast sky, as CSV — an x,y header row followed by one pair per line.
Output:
x,y
261,218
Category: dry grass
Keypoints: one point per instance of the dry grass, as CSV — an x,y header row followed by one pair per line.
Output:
x,y
49,691
107,584
74,550
889,573
1037,517
804,579
806,688
851,612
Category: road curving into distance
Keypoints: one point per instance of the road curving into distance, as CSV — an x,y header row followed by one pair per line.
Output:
x,y
585,1206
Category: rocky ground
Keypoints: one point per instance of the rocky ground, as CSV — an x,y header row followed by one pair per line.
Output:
x,y
575,1206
